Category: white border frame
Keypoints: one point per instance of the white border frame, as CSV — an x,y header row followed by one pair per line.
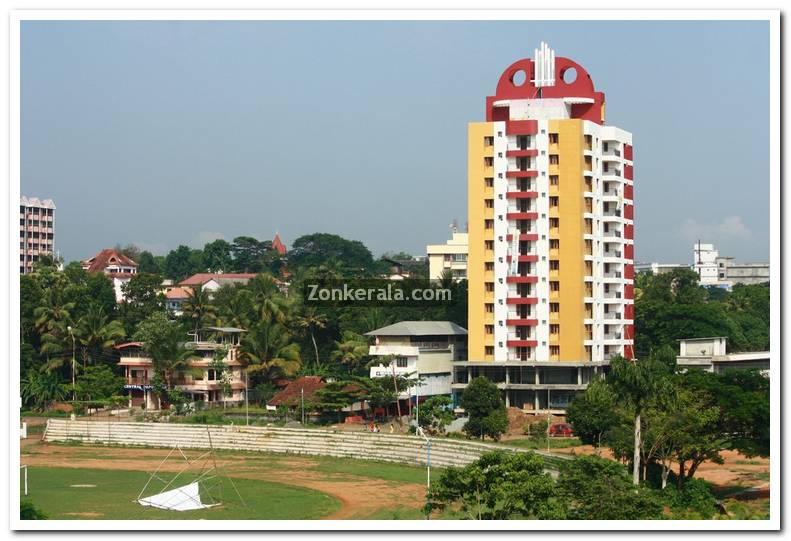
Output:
x,y
771,16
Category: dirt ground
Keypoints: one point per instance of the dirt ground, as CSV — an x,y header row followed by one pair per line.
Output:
x,y
737,470
360,496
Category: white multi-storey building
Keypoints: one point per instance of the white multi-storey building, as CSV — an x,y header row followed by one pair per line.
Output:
x,y
551,228
36,231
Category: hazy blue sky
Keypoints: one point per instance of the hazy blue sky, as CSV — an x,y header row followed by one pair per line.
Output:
x,y
168,133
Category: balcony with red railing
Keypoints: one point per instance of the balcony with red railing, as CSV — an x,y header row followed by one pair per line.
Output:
x,y
526,322
523,236
516,343
523,258
521,300
521,195
521,279
522,174
522,153
522,216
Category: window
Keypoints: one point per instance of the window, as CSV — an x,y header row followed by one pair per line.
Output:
x,y
554,329
554,201
489,182
553,138
489,329
554,159
554,286
489,308
489,287
211,374
554,307
554,264
553,180
401,362
605,146
488,350
489,203
554,244
554,350
488,244
488,266
488,141
488,161
554,222
489,224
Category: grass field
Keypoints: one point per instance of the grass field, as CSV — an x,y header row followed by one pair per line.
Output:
x,y
274,486
78,493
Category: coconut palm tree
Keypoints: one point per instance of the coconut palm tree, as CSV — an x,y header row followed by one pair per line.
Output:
x,y
198,308
269,302
53,321
238,311
310,322
97,334
351,350
269,352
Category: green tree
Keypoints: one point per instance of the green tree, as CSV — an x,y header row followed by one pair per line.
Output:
x,y
316,249
351,351
97,334
435,414
217,256
634,383
182,263
310,322
142,298
99,383
594,488
488,417
164,343
41,389
269,353
593,413
28,511
147,263
269,302
498,486
198,311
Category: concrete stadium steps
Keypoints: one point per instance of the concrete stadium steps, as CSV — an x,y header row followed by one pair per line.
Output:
x,y
362,445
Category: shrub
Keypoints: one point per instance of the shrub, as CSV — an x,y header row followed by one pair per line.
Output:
x,y
28,511
693,500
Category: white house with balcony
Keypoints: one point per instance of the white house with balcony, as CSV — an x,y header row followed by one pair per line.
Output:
x,y
419,349
202,382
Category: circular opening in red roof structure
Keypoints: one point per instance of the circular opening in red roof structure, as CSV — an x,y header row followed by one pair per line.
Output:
x,y
519,77
569,75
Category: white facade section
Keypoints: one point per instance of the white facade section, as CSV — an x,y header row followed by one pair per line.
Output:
x,y
609,323
541,267
501,244
449,257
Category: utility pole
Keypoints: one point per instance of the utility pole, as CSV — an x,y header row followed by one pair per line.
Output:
x,y
395,384
302,405
246,401
73,367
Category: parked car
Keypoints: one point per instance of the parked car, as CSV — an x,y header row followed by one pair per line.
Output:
x,y
561,430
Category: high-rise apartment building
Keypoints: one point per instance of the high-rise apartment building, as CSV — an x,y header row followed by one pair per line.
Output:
x,y
551,223
36,231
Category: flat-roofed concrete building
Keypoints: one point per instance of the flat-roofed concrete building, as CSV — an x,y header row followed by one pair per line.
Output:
x,y
36,231
711,354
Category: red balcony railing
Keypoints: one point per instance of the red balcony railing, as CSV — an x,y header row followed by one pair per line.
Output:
x,y
521,279
521,300
521,322
522,215
521,195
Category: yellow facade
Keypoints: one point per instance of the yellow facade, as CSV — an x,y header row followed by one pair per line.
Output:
x,y
570,234
477,214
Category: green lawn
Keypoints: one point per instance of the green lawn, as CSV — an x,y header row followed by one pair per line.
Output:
x,y
541,445
115,492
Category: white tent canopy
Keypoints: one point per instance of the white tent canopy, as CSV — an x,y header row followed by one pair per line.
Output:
x,y
186,498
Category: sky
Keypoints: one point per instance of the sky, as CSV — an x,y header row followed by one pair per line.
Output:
x,y
181,132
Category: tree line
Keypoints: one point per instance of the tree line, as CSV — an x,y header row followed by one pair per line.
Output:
x,y
73,314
